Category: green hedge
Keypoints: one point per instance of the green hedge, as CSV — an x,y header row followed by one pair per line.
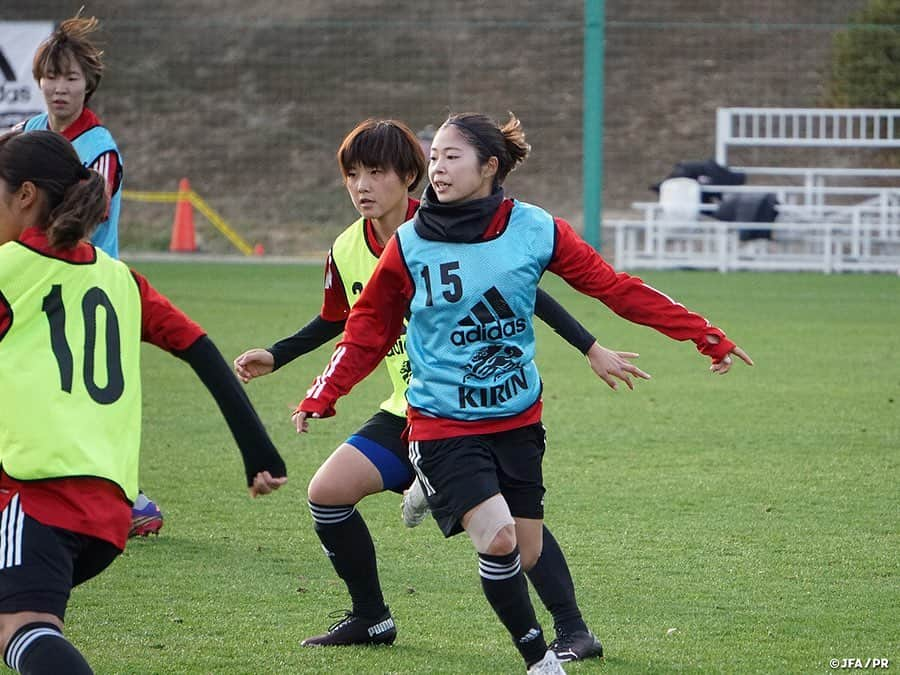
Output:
x,y
865,69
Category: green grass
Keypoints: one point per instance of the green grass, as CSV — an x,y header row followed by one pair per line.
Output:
x,y
755,513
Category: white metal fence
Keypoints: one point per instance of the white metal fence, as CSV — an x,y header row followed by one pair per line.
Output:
x,y
806,127
826,220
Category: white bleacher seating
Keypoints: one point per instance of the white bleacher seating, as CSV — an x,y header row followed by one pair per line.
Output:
x,y
827,221
806,127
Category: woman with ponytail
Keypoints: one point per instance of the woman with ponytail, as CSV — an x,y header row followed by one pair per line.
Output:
x,y
461,277
68,67
70,436
381,162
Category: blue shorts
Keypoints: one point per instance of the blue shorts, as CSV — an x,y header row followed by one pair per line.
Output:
x,y
379,439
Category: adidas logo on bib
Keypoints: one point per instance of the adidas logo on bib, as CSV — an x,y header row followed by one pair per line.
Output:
x,y
489,319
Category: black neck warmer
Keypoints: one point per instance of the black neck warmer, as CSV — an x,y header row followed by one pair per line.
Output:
x,y
459,223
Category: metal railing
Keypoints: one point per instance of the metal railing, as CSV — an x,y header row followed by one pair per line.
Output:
x,y
806,127
863,238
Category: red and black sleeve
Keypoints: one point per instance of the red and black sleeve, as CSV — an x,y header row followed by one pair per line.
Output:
x,y
108,166
371,329
162,323
169,328
587,272
334,299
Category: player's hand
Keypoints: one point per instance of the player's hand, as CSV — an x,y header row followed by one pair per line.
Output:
x,y
724,365
610,365
301,421
264,483
253,363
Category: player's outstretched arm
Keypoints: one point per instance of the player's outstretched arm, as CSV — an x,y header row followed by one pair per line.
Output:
x,y
608,364
263,466
258,362
585,270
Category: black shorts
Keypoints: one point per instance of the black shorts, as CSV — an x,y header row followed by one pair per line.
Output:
x,y
379,439
460,473
39,564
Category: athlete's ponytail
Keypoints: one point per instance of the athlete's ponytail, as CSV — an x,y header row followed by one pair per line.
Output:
x,y
514,137
506,143
74,197
82,203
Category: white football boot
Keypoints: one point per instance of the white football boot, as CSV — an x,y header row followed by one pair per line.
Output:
x,y
414,506
549,665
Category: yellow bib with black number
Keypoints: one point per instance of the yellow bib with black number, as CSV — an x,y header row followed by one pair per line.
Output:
x,y
355,262
70,384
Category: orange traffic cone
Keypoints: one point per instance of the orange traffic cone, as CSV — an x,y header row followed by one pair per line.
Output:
x,y
183,239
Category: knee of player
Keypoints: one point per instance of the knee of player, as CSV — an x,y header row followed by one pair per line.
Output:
x,y
491,527
529,555
503,542
322,490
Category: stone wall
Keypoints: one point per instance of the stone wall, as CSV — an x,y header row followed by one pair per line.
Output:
x,y
251,99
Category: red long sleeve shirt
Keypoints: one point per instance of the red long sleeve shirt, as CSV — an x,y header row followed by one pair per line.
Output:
x,y
377,318
94,506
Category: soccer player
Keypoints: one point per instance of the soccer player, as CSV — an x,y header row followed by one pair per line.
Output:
x,y
71,324
68,67
381,162
475,395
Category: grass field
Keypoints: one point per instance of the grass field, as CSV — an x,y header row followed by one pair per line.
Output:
x,y
756,514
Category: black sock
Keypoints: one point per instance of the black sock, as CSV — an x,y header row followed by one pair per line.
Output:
x,y
348,544
551,579
505,588
38,648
